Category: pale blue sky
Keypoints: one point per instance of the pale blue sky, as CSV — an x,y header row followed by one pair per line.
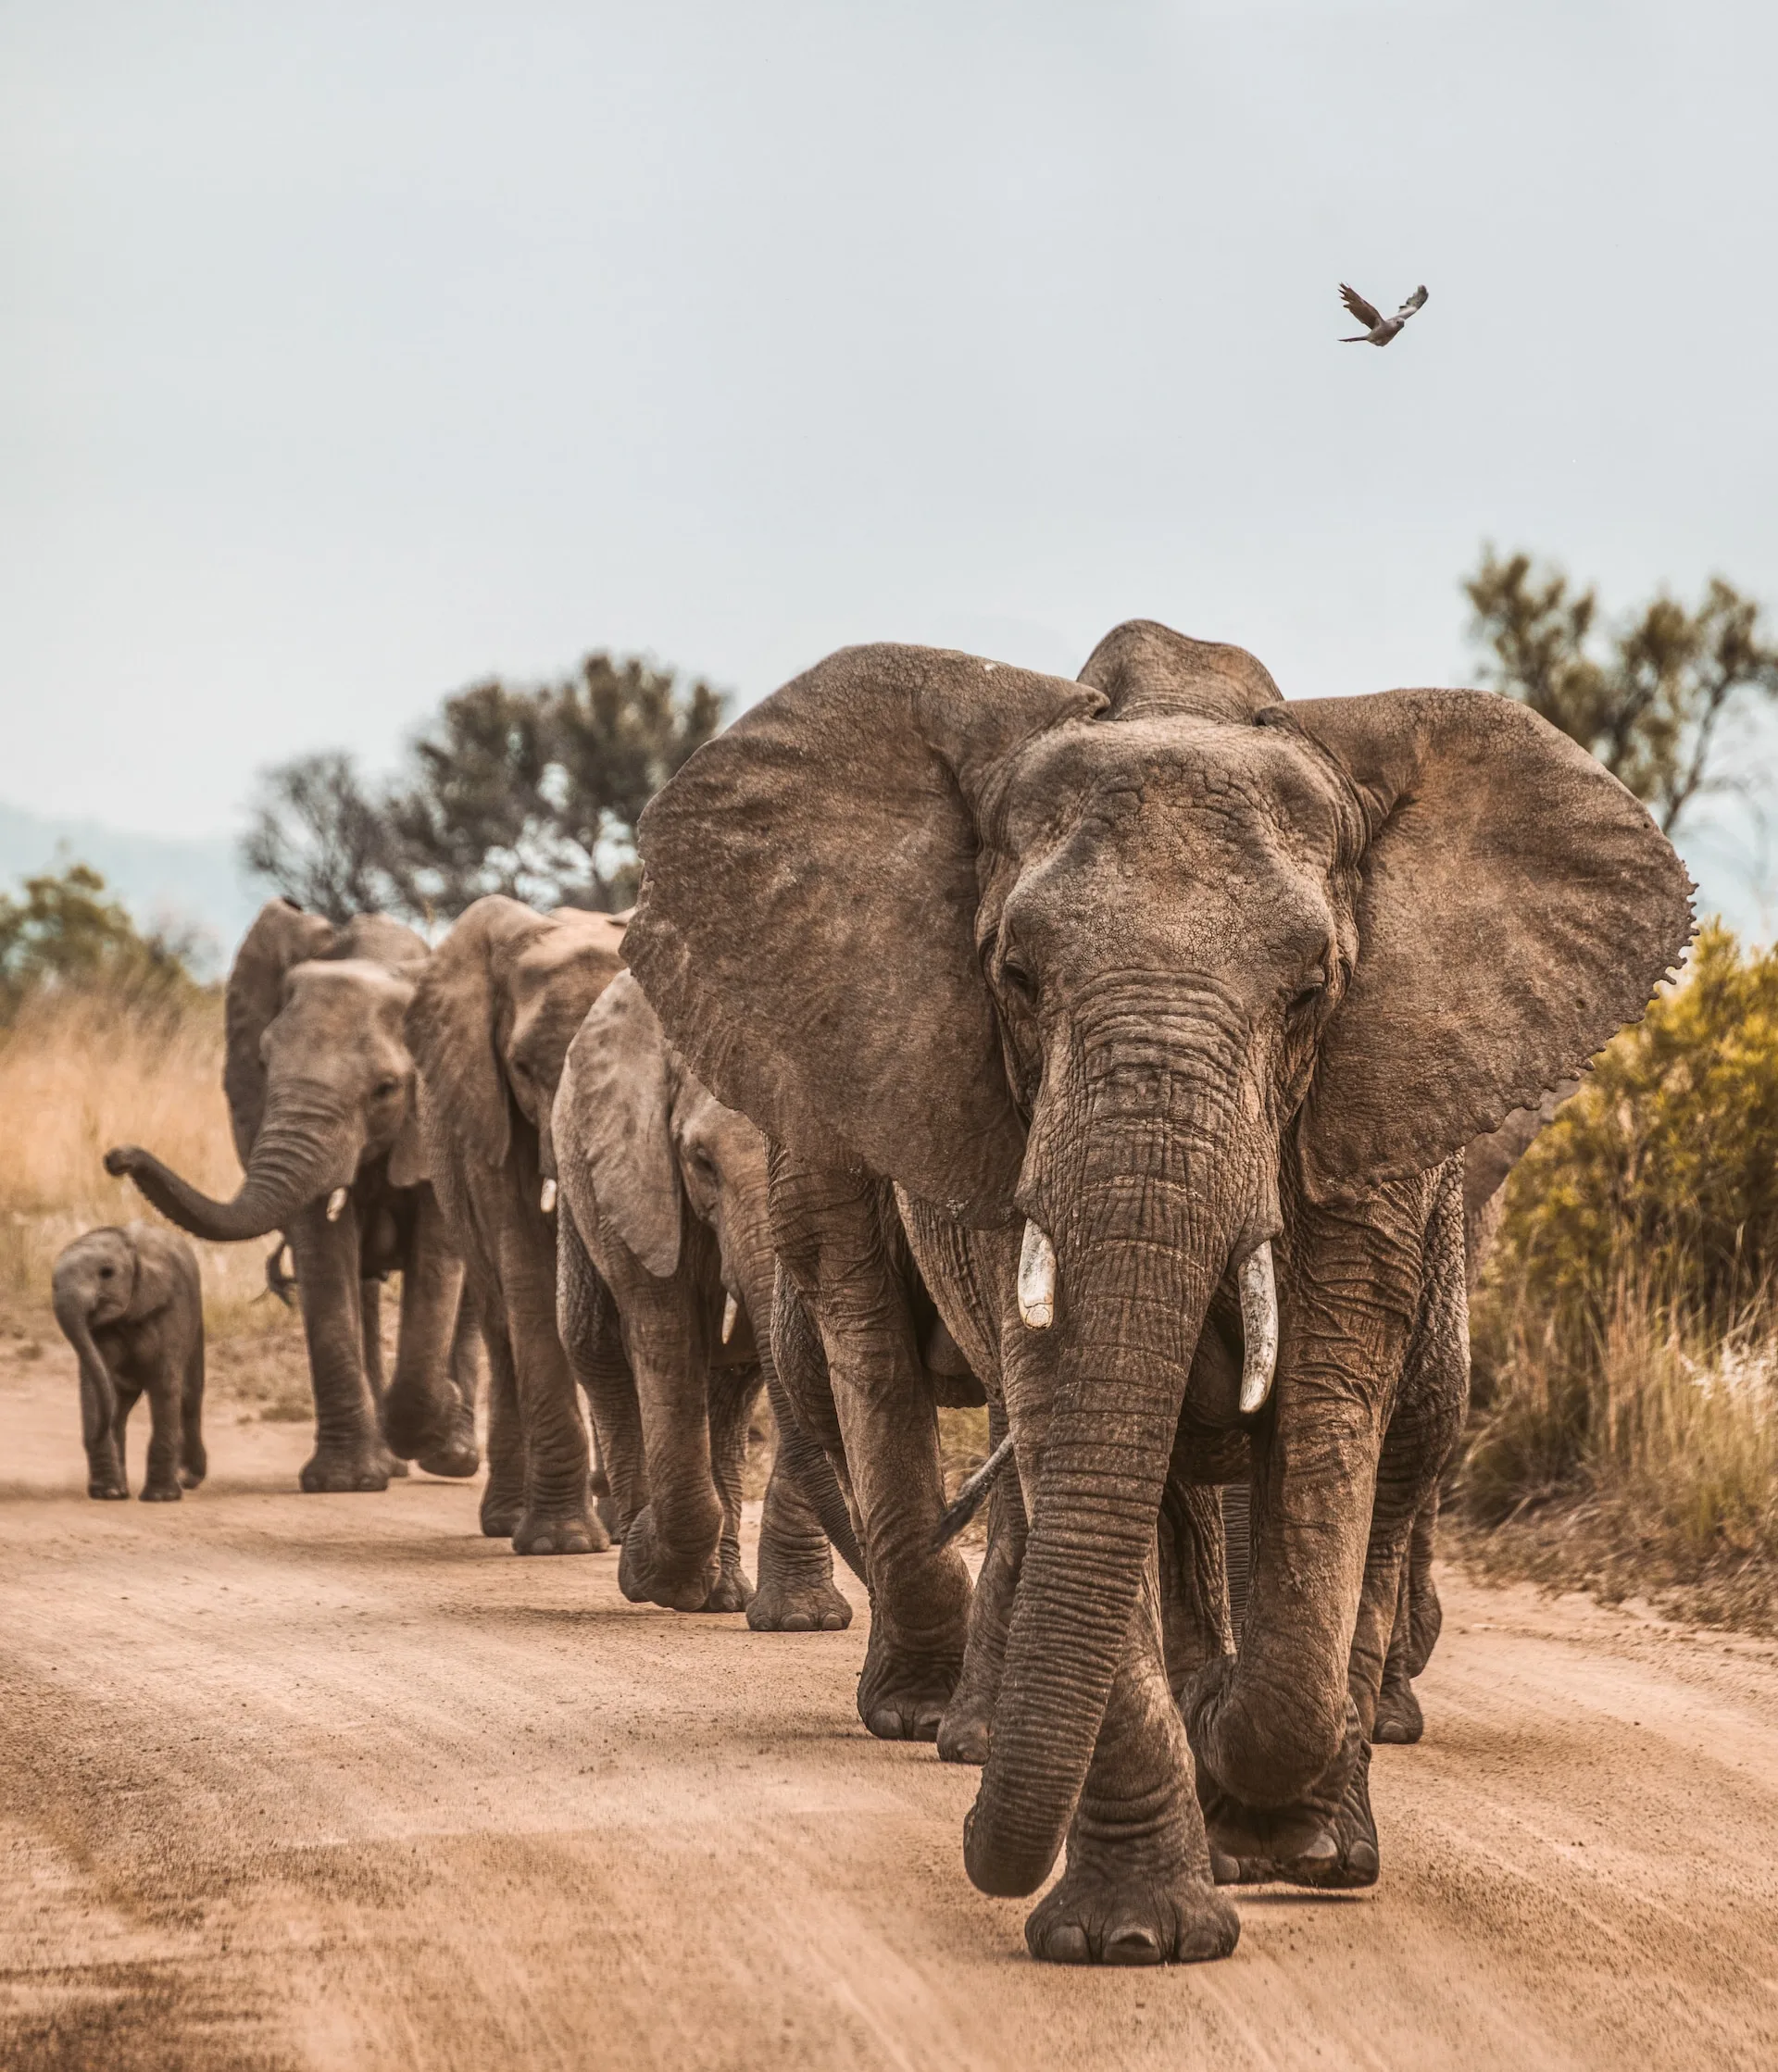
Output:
x,y
352,351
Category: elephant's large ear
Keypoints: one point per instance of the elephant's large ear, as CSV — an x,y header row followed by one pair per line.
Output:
x,y
612,1119
281,936
1518,907
806,925
453,1024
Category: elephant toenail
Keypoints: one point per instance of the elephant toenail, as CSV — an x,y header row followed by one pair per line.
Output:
x,y
1322,1851
1067,1945
796,1622
1133,1945
1226,1870
833,1622
1361,1861
885,1724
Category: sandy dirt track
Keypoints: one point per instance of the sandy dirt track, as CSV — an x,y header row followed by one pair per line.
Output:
x,y
334,1783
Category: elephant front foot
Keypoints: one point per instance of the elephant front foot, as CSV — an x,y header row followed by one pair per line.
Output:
x,y
733,1592
503,1507
344,1470
107,1482
966,1732
559,1533
453,1454
1117,1902
193,1472
903,1693
647,1574
797,1592
1301,1844
1399,1720
161,1492
397,1469
780,1604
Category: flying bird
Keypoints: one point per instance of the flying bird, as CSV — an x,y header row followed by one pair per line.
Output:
x,y
1379,329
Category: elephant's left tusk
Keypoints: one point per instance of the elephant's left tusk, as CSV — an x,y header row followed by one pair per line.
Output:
x,y
1036,1280
546,1196
730,1310
336,1203
1258,1328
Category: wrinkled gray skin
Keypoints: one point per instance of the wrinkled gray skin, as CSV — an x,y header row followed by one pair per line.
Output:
x,y
490,1024
130,1304
663,1205
1173,971
320,1093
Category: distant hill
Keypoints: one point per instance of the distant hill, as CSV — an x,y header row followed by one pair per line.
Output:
x,y
161,880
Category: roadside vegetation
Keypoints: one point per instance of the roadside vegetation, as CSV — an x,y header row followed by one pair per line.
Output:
x,y
106,1038
1625,1429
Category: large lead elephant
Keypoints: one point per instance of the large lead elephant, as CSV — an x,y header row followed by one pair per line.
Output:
x,y
490,1024
1169,1009
663,1209
321,1091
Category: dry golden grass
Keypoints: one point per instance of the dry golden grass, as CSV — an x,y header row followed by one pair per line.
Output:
x,y
79,1073
1650,1468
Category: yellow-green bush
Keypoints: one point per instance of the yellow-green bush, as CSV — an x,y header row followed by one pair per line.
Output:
x,y
1625,1335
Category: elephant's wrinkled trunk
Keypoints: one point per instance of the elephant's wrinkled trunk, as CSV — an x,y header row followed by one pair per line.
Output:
x,y
98,1399
309,1143
1140,1247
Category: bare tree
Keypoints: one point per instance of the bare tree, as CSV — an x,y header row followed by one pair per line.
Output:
x,y
322,839
1648,701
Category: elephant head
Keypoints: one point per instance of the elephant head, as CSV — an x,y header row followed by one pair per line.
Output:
x,y
493,1015
1126,961
318,1074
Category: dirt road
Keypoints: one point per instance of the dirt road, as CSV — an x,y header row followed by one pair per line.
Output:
x,y
332,1782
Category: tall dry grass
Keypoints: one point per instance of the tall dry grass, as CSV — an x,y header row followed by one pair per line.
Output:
x,y
80,1071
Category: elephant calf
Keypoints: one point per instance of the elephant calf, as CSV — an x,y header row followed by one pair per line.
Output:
x,y
132,1306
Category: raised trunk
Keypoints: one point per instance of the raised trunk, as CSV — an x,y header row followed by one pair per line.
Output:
x,y
309,1143
1141,1241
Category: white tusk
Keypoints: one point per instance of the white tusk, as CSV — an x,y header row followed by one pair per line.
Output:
x,y
1036,1280
336,1203
1259,1328
730,1310
546,1196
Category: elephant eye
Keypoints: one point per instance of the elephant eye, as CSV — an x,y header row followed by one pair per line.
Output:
x,y
1306,996
106,1272
1017,980
385,1088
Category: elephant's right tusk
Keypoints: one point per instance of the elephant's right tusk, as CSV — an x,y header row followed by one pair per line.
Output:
x,y
546,1196
1036,1280
730,1310
1258,1328
336,1203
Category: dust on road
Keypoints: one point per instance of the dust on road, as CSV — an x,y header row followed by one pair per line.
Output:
x,y
331,1781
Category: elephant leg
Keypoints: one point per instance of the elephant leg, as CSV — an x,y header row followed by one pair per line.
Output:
x,y
370,1325
503,1500
965,1730
734,1393
349,1453
593,1341
830,1231
424,1415
796,1592
1425,1615
673,1552
125,1401
193,1462
1138,1888
559,1517
160,1482
1398,1717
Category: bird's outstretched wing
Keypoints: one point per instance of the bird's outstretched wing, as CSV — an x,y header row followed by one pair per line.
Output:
x,y
1361,310
1413,303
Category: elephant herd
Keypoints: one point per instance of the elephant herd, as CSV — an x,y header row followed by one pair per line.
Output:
x,y
1138,1055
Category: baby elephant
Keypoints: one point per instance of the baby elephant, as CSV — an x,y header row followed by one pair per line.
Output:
x,y
132,1306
